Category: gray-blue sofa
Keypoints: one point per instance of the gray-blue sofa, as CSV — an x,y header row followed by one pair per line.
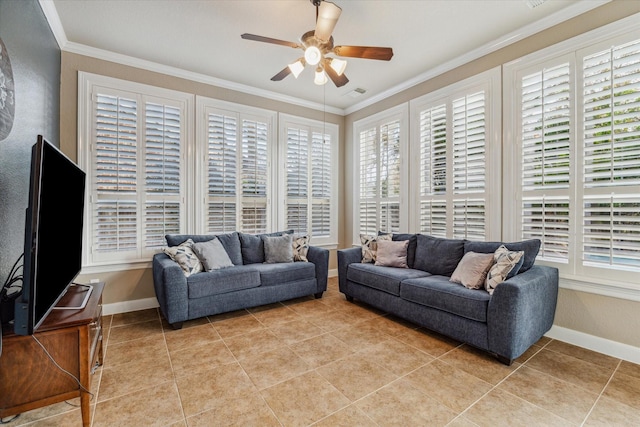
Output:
x,y
248,283
506,323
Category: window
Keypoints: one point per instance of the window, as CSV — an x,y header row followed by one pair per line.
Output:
x,y
576,127
134,157
235,154
381,143
455,144
308,149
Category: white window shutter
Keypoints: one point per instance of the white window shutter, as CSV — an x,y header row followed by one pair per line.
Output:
x,y
254,176
321,184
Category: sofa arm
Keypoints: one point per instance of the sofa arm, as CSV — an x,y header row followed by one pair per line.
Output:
x,y
320,257
170,285
346,257
521,310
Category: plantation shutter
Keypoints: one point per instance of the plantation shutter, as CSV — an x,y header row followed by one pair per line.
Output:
x,y
389,166
297,165
468,174
611,157
162,173
115,167
368,209
321,181
221,173
254,177
545,160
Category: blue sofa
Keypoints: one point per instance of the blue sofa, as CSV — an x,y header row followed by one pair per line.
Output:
x,y
248,283
518,313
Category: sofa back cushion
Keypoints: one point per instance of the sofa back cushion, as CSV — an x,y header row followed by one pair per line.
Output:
x,y
436,255
230,243
411,249
252,246
530,248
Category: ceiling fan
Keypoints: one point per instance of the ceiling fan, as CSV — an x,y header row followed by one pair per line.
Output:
x,y
317,45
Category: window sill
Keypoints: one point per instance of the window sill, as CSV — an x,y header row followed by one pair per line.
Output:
x,y
620,290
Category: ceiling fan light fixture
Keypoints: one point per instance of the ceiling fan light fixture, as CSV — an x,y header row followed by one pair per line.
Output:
x,y
312,55
338,65
328,14
321,77
297,67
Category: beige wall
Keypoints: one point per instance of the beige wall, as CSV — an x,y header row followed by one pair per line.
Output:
x,y
610,318
605,317
130,285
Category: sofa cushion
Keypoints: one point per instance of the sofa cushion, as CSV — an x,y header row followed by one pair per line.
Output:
x,y
411,249
186,258
370,245
212,254
438,256
230,242
530,248
438,292
276,274
386,279
392,254
222,281
505,261
301,248
278,248
472,270
252,246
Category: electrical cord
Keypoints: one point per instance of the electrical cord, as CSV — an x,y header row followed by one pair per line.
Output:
x,y
8,289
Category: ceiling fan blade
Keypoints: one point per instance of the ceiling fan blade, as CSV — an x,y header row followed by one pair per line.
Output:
x,y
328,14
366,52
282,74
254,37
338,80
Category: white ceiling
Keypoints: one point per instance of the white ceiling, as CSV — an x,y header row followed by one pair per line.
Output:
x,y
202,38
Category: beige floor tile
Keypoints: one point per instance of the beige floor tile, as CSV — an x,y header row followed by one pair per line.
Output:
x,y
427,341
250,410
154,406
350,416
193,336
46,412
238,325
134,331
401,404
320,350
360,310
228,316
185,325
629,368
304,399
451,386
333,320
272,315
252,343
564,399
461,422
310,308
528,354
624,389
583,354
359,337
499,408
608,412
391,325
127,351
296,331
396,356
68,419
138,316
479,364
272,367
214,389
125,378
199,358
355,376
576,371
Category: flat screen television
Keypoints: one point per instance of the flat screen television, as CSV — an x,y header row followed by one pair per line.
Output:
x,y
53,234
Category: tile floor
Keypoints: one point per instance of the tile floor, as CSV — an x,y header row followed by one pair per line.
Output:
x,y
329,362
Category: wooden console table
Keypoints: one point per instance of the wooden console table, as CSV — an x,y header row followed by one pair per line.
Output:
x,y
73,338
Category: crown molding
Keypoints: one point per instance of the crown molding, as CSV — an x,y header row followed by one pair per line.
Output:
x,y
52,17
513,37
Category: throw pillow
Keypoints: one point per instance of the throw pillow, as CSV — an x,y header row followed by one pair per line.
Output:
x,y
529,247
392,253
278,249
438,256
504,261
230,242
472,270
185,257
212,255
301,248
370,245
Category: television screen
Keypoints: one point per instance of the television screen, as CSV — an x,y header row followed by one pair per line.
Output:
x,y
53,234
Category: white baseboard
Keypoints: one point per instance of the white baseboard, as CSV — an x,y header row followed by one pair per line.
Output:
x,y
592,342
126,306
333,273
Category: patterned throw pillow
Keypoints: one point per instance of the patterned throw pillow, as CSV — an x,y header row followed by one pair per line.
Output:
x,y
504,261
301,248
185,257
370,245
